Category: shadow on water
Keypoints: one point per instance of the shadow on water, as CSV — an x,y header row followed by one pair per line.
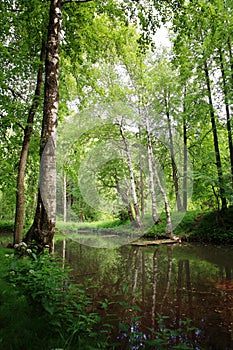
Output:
x,y
133,285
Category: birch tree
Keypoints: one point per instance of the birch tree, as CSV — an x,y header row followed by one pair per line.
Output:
x,y
43,227
131,174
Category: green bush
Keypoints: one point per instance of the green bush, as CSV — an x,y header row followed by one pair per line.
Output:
x,y
215,227
63,307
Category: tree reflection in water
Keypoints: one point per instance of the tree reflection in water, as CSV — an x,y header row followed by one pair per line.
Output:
x,y
139,283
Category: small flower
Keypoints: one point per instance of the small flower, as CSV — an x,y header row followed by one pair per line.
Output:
x,y
12,273
29,251
23,244
31,271
16,246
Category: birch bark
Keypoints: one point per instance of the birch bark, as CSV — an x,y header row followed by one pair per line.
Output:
x,y
132,180
43,227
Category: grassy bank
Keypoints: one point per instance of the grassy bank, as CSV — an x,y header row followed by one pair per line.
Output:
x,y
212,227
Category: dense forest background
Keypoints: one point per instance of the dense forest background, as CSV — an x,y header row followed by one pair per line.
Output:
x,y
142,127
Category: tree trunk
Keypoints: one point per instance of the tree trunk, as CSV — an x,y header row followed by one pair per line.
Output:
x,y
141,178
174,167
215,137
43,227
132,181
169,275
64,198
167,208
230,57
151,174
228,116
19,213
185,164
154,285
125,198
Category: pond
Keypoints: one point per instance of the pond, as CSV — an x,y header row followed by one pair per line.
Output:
x,y
133,285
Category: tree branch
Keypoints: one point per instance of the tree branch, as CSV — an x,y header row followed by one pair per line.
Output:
x,y
20,125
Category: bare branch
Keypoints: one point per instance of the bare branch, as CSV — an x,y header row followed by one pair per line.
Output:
x,y
15,93
20,125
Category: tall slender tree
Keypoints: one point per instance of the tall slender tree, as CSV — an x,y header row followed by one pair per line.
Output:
x,y
20,207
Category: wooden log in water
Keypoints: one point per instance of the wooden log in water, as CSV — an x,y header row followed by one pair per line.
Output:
x,y
155,242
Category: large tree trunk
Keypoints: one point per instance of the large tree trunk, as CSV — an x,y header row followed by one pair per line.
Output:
x,y
132,181
215,137
19,213
43,227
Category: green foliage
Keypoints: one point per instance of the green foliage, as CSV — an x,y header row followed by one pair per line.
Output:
x,y
6,226
103,224
184,228
65,308
215,227
166,338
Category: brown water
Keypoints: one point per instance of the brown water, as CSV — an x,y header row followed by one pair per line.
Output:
x,y
134,284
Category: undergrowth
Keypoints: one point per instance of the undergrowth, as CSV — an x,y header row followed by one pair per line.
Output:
x,y
215,227
183,224
41,308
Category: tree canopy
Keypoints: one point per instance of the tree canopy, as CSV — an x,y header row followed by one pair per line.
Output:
x,y
149,127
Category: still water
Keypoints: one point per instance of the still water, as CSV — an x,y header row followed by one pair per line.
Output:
x,y
133,285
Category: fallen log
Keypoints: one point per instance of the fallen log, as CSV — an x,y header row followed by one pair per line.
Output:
x,y
155,242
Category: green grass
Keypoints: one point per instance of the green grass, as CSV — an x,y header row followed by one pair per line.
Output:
x,y
215,227
6,225
192,225
183,224
61,225
211,227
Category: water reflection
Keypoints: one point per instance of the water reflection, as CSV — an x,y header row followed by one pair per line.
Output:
x,y
179,281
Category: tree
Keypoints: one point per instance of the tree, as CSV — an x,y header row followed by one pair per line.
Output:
x,y
131,173
195,32
20,207
20,42
42,229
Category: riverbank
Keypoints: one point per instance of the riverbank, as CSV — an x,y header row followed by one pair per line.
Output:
x,y
192,226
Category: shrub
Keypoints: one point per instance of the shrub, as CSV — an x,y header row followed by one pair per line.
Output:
x,y
64,307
